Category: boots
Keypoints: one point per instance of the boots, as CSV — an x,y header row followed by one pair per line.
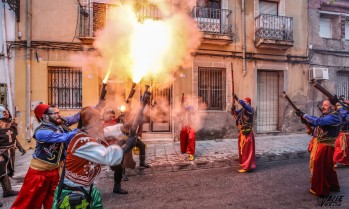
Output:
x,y
7,189
117,189
142,162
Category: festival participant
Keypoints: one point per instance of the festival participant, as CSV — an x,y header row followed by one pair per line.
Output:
x,y
187,136
246,141
8,143
323,177
52,138
86,154
341,153
111,125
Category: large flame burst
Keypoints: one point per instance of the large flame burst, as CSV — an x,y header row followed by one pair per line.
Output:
x,y
147,48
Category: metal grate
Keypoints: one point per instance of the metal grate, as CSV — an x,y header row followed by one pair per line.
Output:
x,y
65,87
212,87
343,84
274,27
3,94
210,20
268,101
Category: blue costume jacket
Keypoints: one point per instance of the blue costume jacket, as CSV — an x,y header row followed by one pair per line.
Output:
x,y
52,140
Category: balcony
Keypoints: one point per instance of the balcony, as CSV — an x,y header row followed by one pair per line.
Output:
x,y
273,31
95,16
215,23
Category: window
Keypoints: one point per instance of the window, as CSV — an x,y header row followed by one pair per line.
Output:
x,y
3,94
266,7
65,87
347,29
325,27
211,86
343,84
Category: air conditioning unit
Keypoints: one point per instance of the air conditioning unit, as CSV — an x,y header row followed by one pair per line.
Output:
x,y
318,73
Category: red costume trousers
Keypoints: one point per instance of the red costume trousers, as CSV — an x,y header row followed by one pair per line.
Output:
x,y
323,177
187,140
341,151
37,190
247,153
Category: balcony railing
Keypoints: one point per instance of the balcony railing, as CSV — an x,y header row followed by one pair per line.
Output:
x,y
272,27
94,17
213,21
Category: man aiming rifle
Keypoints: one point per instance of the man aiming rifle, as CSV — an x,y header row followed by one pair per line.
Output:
x,y
341,153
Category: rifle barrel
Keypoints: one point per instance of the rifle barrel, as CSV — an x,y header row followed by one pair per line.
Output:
x,y
290,101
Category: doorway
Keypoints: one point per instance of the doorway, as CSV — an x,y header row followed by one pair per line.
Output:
x,y
158,114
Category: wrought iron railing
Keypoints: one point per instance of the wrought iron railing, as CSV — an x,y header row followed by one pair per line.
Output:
x,y
215,21
94,16
274,27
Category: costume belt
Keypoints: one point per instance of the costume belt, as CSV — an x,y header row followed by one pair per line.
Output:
x,y
330,141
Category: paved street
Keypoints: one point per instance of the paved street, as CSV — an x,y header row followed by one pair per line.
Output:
x,y
210,155
279,184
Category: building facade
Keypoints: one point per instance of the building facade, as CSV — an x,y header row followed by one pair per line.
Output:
x,y
256,49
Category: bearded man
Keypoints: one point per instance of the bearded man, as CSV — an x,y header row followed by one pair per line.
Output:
x,y
52,138
323,177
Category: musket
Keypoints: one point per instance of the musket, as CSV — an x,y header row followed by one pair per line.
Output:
x,y
329,95
132,92
137,121
307,125
103,92
320,108
233,91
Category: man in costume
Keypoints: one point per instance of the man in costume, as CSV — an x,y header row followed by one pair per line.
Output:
x,y
52,138
112,126
323,177
341,153
246,141
86,154
127,124
8,143
187,136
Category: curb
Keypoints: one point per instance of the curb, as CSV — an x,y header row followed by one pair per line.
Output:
x,y
206,164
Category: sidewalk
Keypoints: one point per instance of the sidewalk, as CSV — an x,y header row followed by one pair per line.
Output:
x,y
209,154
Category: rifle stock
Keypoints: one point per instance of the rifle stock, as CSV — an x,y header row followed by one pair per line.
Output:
x,y
307,125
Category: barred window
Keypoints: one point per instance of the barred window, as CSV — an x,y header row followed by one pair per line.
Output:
x,y
211,84
3,94
343,84
65,87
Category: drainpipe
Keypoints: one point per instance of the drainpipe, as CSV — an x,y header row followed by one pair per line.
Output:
x,y
7,70
28,68
243,19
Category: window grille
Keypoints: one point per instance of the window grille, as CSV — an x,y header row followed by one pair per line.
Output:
x,y
212,87
343,84
65,87
3,94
